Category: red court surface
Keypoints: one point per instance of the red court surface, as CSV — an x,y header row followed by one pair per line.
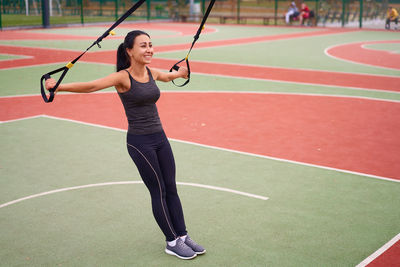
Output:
x,y
390,257
346,133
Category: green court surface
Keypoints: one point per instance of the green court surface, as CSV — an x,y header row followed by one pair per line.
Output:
x,y
86,206
312,216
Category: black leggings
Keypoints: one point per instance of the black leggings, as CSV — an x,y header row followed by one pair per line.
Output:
x,y
153,157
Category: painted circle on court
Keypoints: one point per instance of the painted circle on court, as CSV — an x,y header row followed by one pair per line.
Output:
x,y
362,53
217,188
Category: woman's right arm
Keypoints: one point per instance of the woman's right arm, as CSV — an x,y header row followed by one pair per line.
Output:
x,y
114,79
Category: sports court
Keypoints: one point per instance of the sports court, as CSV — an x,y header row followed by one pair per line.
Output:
x,y
286,142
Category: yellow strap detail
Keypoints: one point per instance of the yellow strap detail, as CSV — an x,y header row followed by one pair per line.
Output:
x,y
112,32
69,65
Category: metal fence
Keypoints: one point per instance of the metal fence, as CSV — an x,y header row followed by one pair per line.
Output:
x,y
328,13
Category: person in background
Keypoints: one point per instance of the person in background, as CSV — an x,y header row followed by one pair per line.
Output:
x,y
392,16
304,13
292,13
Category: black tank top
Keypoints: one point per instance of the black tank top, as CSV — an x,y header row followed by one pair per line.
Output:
x,y
140,106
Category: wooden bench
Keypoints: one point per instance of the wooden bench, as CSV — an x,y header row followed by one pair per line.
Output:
x,y
265,19
244,18
222,18
185,17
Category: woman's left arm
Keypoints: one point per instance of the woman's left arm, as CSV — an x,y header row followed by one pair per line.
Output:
x,y
169,76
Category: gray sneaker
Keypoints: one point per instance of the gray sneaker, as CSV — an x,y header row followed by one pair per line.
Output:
x,y
181,250
194,246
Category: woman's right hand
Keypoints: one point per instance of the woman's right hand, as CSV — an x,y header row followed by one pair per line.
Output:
x,y
183,72
50,83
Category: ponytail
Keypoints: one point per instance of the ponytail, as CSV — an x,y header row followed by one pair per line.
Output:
x,y
123,60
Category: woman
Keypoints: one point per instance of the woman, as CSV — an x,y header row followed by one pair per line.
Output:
x,y
146,141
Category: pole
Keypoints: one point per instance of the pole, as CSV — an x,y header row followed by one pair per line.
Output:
x,y
238,12
116,10
148,9
361,12
82,21
45,14
26,7
276,13
1,26
343,11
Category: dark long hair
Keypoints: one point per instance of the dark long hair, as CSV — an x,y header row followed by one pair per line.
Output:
x,y
123,60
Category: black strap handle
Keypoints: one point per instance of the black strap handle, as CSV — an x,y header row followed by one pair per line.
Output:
x,y
70,64
52,90
196,37
176,67
42,89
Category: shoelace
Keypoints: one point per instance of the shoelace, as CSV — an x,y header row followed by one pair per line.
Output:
x,y
182,245
188,240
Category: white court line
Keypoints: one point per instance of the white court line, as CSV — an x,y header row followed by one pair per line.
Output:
x,y
379,252
244,92
361,89
129,182
54,63
224,189
14,55
22,119
232,151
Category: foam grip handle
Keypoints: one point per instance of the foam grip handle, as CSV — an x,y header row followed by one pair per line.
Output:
x,y
52,90
175,67
43,89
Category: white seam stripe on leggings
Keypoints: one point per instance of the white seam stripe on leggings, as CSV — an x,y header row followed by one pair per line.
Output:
x,y
159,186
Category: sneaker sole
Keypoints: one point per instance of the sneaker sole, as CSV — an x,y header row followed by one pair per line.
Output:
x,y
169,252
201,252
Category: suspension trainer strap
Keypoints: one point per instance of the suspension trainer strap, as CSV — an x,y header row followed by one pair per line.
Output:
x,y
196,37
71,64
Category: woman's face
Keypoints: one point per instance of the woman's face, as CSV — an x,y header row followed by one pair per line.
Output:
x,y
142,50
